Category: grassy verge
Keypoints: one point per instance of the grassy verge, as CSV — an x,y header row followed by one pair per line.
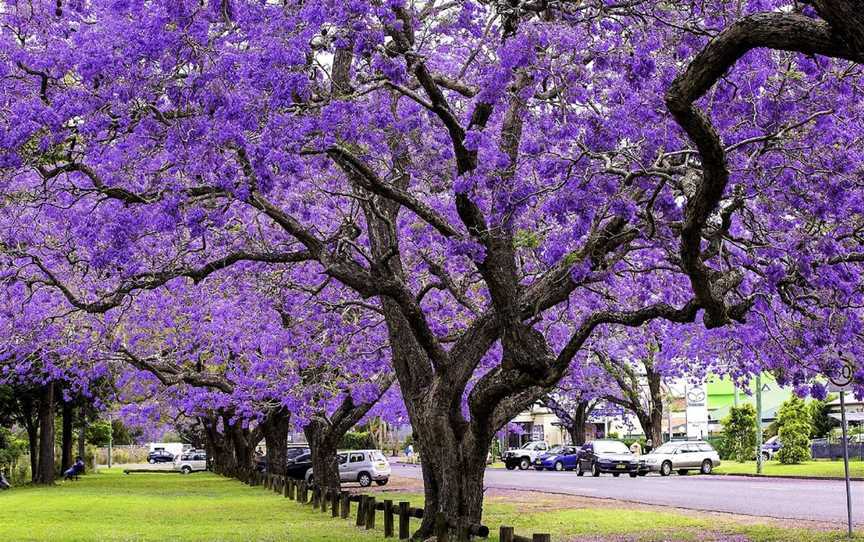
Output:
x,y
818,468
202,507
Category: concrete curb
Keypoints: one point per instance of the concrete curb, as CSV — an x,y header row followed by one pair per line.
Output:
x,y
787,476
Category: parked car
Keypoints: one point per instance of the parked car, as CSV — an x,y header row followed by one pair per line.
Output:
x,y
682,456
295,452
558,458
195,461
300,468
160,456
610,456
771,447
525,456
364,467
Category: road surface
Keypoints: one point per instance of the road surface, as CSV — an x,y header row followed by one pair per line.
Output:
x,y
815,500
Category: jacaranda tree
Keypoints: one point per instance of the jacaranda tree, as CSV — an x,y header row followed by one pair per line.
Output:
x,y
498,180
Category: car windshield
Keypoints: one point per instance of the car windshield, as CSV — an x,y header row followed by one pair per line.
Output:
x,y
610,447
531,445
557,450
377,456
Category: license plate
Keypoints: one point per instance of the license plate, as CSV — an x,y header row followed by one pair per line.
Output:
x,y
380,465
620,466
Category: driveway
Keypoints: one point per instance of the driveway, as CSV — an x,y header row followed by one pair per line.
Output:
x,y
815,500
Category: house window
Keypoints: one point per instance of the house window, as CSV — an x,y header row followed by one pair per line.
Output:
x,y
537,432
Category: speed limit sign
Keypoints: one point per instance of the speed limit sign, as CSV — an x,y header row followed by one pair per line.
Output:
x,y
842,381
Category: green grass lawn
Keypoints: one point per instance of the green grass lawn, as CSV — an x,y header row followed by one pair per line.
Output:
x,y
110,506
821,468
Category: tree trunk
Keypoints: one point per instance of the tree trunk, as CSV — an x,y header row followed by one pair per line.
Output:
x,y
577,434
243,449
82,435
33,443
66,438
323,446
654,430
45,469
276,428
219,450
453,471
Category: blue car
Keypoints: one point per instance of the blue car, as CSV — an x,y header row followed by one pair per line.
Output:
x,y
770,448
558,458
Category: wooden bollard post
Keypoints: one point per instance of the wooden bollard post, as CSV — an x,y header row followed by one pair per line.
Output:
x,y
388,519
442,532
334,504
505,534
370,513
541,538
325,499
345,508
303,493
316,494
404,521
361,511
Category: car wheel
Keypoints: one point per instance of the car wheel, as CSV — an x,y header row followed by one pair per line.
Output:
x,y
579,471
382,482
666,468
364,479
766,456
707,467
634,474
186,470
559,466
524,463
510,466
151,461
682,472
595,470
616,474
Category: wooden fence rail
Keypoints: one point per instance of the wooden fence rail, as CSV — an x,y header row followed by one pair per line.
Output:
x,y
396,516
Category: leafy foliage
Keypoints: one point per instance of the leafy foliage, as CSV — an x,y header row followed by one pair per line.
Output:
x,y
794,421
739,432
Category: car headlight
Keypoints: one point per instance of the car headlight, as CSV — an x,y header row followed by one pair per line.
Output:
x,y
652,461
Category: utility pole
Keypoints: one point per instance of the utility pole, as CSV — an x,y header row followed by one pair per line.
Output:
x,y
759,423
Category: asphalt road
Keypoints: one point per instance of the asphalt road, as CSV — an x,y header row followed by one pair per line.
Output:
x,y
815,500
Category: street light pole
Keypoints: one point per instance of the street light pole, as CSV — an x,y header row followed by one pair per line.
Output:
x,y
759,423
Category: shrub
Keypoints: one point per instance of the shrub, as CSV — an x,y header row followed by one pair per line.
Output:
x,y
740,433
794,421
358,440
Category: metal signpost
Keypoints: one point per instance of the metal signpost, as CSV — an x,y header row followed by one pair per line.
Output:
x,y
843,383
759,423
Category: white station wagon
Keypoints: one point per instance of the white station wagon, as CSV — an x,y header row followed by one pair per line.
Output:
x,y
682,456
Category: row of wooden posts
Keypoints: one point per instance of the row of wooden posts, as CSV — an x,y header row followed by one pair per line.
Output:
x,y
339,504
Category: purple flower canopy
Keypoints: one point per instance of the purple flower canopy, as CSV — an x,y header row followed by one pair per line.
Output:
x,y
300,203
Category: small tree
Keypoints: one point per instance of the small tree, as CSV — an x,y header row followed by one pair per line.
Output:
x,y
740,432
822,423
795,424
